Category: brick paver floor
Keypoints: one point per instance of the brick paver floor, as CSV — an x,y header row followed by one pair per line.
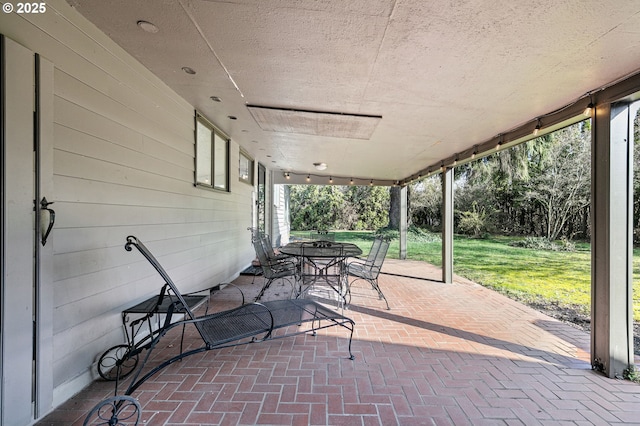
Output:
x,y
445,354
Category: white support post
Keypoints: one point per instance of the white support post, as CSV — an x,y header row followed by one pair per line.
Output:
x,y
447,225
403,223
611,240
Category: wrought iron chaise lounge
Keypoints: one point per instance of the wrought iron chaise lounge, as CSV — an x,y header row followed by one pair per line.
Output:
x,y
248,323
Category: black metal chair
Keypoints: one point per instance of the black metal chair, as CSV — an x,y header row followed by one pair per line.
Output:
x,y
273,269
322,236
369,269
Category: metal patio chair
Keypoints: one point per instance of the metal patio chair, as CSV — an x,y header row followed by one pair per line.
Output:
x,y
273,269
369,269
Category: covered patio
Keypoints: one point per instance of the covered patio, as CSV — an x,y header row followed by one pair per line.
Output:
x,y
181,121
444,354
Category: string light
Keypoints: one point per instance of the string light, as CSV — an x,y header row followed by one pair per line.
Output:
x,y
589,108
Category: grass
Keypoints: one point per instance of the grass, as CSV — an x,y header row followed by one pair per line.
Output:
x,y
529,275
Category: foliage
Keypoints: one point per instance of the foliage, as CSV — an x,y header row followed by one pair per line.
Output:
x,y
631,373
369,207
425,203
540,243
540,188
636,180
419,235
473,222
561,187
315,207
338,207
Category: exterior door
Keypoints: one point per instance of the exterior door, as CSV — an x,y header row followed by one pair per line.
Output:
x,y
25,304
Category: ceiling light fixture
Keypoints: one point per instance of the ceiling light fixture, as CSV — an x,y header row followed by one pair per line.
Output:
x,y
371,182
215,98
475,151
287,175
308,178
537,129
320,166
188,70
351,181
148,27
330,179
232,117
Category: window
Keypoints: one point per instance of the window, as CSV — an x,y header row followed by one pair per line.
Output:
x,y
212,156
245,171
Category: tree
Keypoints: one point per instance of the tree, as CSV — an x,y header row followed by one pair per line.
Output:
x,y
369,207
395,205
338,207
315,207
562,182
425,203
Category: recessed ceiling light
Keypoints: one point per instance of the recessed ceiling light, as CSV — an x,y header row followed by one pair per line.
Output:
x,y
320,166
215,99
188,70
148,27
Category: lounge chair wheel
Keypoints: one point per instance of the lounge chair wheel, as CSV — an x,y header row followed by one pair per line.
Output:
x,y
115,411
117,363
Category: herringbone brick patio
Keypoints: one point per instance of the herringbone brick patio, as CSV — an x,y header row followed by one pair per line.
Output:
x,y
445,354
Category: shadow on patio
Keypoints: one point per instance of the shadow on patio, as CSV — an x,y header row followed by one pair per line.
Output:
x,y
445,354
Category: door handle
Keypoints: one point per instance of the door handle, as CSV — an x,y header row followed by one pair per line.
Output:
x,y
44,205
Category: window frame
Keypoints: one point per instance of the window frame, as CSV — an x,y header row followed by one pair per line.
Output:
x,y
211,168
251,166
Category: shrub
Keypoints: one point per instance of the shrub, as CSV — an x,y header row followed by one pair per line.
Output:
x,y
474,222
539,243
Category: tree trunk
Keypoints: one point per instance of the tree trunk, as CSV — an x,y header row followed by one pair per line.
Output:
x,y
394,207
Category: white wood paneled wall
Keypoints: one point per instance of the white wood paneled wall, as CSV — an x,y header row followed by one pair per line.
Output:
x,y
123,164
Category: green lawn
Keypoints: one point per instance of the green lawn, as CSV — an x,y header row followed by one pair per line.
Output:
x,y
562,277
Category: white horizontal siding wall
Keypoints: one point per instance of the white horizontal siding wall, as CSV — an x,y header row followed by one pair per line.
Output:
x,y
123,165
280,215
